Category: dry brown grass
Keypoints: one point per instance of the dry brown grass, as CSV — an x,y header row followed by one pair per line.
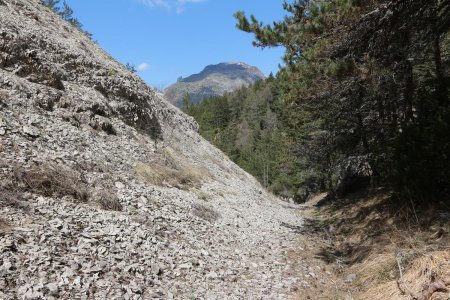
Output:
x,y
12,199
51,180
4,226
171,170
4,94
204,196
423,270
366,236
205,213
107,201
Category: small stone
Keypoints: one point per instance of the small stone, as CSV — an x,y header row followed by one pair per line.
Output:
x,y
57,224
30,131
4,268
52,287
350,278
7,245
184,266
119,185
156,269
97,268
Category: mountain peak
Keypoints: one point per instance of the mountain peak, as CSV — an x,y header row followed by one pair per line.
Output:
x,y
213,80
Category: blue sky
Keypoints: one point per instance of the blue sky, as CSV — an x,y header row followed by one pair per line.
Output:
x,y
172,38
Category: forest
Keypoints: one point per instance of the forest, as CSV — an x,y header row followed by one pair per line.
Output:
x,y
362,99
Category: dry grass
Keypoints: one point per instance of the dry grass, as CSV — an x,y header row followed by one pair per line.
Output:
x,y
171,170
8,198
423,270
205,213
51,180
12,199
107,201
204,196
4,94
4,226
366,236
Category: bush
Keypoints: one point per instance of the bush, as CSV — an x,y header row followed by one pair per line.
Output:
x,y
205,212
12,198
171,170
108,201
51,180
4,226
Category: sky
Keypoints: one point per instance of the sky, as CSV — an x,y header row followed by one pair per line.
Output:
x,y
166,39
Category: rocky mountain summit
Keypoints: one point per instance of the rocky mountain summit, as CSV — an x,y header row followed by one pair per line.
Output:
x,y
108,192
214,80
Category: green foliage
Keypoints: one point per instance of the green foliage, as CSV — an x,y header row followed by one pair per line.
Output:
x,y
246,125
112,72
66,12
52,4
130,67
366,79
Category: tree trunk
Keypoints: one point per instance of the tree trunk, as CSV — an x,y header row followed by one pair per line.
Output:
x,y
439,70
409,92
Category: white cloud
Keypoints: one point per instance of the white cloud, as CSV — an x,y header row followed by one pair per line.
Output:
x,y
177,5
190,1
181,3
143,67
156,3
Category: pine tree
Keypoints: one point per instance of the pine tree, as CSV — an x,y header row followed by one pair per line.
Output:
x,y
365,79
131,67
66,12
52,4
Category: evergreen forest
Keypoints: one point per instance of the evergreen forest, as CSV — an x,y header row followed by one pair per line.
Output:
x,y
363,95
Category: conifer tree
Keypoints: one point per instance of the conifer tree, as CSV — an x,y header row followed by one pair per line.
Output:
x,y
365,83
130,67
66,12
52,4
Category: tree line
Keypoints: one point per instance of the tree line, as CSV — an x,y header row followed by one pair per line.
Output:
x,y
364,82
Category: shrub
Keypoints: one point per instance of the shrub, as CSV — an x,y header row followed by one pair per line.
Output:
x,y
108,201
51,180
171,170
12,198
204,196
4,226
112,72
205,212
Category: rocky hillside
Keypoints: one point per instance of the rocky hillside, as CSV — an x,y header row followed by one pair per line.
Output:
x,y
109,192
214,80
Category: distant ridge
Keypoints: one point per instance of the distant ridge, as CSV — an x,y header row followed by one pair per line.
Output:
x,y
212,81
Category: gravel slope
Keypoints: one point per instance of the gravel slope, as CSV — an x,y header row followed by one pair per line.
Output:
x,y
109,192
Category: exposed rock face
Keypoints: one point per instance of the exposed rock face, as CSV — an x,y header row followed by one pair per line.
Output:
x,y
108,192
214,80
355,174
